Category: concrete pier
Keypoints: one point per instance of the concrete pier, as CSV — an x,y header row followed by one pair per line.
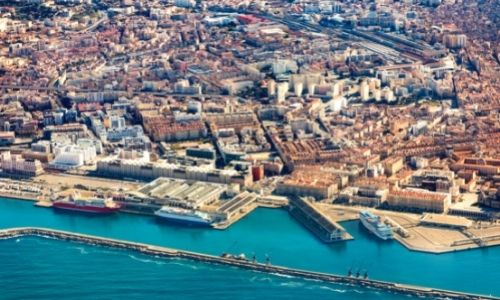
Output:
x,y
244,264
316,221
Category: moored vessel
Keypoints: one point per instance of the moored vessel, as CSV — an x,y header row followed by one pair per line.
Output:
x,y
94,204
184,216
373,223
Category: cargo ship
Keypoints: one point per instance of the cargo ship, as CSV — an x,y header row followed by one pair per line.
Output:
x,y
184,216
373,223
95,205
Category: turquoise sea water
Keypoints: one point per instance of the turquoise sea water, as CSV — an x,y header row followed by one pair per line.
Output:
x,y
37,268
273,232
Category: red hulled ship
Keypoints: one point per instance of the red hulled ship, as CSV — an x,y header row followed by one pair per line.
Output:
x,y
96,204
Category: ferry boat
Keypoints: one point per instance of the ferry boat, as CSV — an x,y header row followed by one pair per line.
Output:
x,y
95,205
373,223
184,216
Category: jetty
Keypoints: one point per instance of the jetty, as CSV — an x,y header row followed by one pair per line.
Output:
x,y
236,209
234,261
316,221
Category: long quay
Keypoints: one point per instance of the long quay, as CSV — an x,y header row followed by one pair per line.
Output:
x,y
244,264
317,222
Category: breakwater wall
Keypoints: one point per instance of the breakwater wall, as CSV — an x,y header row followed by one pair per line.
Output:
x,y
243,264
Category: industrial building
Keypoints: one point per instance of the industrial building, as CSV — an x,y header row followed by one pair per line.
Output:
x,y
181,193
233,207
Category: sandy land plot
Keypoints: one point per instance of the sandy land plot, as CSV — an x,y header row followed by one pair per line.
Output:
x,y
92,182
338,214
403,220
439,236
485,232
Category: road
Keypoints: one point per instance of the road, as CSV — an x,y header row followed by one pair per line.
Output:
x,y
94,26
71,89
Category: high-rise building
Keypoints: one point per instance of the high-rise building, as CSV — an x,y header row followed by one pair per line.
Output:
x,y
455,41
364,91
282,91
271,87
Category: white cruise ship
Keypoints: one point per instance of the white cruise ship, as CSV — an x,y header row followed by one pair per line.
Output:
x,y
184,216
373,223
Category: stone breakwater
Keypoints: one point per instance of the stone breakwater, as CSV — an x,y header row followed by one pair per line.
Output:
x,y
243,264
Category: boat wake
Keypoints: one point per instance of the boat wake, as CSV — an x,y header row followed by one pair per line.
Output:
x,y
81,249
297,284
323,287
292,284
282,275
167,261
193,267
9,237
47,237
145,260
106,252
41,242
261,278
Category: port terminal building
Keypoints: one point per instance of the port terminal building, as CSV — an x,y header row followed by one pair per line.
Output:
x,y
446,221
229,209
180,193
